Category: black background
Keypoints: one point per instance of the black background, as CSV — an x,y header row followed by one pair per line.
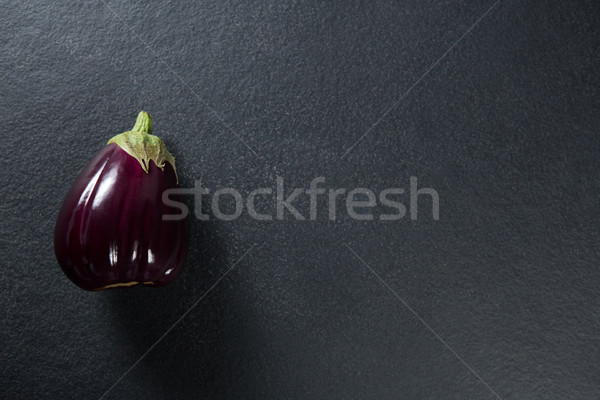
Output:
x,y
504,127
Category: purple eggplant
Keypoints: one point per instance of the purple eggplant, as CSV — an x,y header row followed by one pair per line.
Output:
x,y
110,230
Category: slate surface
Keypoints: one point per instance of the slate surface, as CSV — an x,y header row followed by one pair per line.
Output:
x,y
504,127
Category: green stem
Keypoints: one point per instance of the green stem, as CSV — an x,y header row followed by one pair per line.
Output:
x,y
143,123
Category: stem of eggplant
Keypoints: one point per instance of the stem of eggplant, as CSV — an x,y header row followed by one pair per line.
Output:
x,y
143,123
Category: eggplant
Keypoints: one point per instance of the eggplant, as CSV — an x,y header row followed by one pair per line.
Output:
x,y
110,230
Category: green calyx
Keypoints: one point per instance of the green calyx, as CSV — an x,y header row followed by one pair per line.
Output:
x,y
141,145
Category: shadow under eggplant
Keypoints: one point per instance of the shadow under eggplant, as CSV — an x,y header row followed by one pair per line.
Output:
x,y
192,359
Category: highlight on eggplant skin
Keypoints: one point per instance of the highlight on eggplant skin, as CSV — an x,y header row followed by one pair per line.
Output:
x,y
109,232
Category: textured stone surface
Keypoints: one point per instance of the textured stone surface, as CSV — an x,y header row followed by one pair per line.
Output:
x,y
505,128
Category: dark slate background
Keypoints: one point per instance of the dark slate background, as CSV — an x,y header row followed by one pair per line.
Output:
x,y
504,127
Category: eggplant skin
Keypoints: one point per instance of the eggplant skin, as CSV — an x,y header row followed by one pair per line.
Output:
x,y
110,232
